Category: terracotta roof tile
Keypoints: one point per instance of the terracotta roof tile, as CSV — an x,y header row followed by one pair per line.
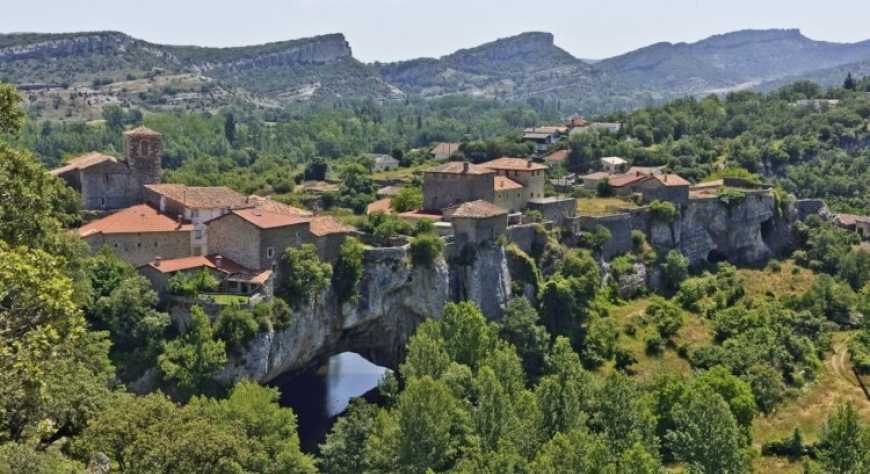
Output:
x,y
328,225
138,219
851,219
420,214
83,162
460,167
596,175
618,181
503,183
381,205
268,220
233,270
513,164
479,209
200,197
671,180
268,204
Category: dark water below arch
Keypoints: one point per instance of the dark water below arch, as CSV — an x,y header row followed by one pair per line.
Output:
x,y
318,396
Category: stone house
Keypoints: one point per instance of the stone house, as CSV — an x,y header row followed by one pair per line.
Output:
x,y
532,176
590,181
477,222
384,163
646,170
195,204
328,234
558,156
855,223
256,238
543,137
664,187
139,234
106,183
509,194
233,278
555,209
625,184
456,182
614,164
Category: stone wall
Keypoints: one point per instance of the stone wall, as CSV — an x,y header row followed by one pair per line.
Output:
x,y
557,210
442,190
139,249
279,239
527,236
236,239
105,186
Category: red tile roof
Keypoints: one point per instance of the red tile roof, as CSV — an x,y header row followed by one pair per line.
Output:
x,y
513,164
420,214
134,220
222,264
381,205
83,162
506,184
142,132
268,220
328,225
479,209
197,197
671,180
268,204
620,180
598,175
851,219
460,167
557,156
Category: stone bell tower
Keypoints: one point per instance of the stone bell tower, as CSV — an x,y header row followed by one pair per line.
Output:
x,y
142,149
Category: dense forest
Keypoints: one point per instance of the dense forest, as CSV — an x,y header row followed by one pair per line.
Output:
x,y
704,377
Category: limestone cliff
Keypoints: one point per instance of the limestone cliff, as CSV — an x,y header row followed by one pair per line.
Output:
x,y
394,297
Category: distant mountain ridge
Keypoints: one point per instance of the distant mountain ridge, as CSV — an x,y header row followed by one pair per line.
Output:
x,y
121,69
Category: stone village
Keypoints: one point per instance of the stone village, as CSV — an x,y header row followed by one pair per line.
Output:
x,y
167,229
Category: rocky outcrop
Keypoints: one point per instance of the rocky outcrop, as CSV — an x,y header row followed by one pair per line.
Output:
x,y
394,298
483,278
318,50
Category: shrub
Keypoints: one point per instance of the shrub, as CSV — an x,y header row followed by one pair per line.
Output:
x,y
348,269
675,269
667,317
408,199
663,211
425,248
236,326
731,197
301,274
192,283
604,189
595,239
653,343
638,240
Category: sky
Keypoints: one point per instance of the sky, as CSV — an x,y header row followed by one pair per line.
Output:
x,y
389,30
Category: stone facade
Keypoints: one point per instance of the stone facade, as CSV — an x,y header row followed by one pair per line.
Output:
x,y
655,190
141,248
555,209
106,183
455,183
236,239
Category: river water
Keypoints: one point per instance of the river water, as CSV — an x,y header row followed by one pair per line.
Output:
x,y
318,396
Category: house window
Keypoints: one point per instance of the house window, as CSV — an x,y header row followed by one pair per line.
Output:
x,y
194,213
106,178
197,234
270,252
102,202
197,251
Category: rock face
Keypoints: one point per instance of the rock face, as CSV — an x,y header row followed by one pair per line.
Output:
x,y
394,298
485,281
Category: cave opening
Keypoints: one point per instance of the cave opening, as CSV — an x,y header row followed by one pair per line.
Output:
x,y
319,395
767,228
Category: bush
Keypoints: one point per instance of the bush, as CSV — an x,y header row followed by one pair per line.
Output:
x,y
675,269
596,239
666,316
638,240
653,343
301,274
663,211
425,248
348,269
192,283
236,326
408,199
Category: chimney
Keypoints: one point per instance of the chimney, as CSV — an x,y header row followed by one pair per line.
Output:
x,y
529,163
157,260
465,167
218,261
180,219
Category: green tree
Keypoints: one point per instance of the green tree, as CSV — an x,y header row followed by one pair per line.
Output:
x,y
844,446
343,452
230,128
468,337
235,326
408,199
562,392
301,274
666,316
348,269
675,269
705,435
11,114
195,357
425,248
520,327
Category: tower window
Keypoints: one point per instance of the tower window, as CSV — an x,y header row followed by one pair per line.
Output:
x,y
270,252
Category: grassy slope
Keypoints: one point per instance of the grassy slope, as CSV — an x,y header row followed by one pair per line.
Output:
x,y
810,406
